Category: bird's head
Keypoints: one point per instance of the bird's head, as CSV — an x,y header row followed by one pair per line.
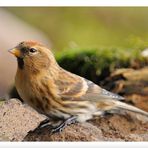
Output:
x,y
33,56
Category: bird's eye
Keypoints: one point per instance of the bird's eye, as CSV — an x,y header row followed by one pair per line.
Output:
x,y
32,50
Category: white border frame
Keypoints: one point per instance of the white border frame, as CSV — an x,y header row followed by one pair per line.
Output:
x,y
75,144
73,3
79,3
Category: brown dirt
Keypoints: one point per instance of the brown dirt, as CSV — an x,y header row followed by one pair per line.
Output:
x,y
18,119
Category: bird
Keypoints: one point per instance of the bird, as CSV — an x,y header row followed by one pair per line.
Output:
x,y
58,93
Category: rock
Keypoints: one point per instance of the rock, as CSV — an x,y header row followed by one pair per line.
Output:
x,y
122,128
19,121
16,120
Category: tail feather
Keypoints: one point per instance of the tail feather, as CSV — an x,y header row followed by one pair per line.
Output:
x,y
123,106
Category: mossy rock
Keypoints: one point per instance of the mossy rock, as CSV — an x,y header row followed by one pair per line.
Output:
x,y
97,64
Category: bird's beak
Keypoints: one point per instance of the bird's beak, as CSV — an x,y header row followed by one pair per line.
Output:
x,y
15,51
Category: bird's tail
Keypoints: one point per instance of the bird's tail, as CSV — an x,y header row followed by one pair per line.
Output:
x,y
123,106
114,106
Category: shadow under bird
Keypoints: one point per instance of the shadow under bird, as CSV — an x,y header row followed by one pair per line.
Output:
x,y
57,93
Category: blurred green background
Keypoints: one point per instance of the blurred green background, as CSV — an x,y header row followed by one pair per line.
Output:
x,y
89,27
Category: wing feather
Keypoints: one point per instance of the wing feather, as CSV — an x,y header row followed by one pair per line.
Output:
x,y
83,89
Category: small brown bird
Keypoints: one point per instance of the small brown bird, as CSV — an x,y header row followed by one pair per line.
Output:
x,y
57,93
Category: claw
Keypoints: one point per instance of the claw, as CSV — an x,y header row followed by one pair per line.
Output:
x,y
59,128
67,122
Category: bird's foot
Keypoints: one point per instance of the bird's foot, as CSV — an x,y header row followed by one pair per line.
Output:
x,y
45,124
65,123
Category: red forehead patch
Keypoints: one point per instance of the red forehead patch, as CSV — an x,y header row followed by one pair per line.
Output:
x,y
30,43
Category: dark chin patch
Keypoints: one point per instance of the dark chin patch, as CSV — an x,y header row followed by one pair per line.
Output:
x,y
20,62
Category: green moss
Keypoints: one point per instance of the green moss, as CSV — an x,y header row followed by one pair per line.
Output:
x,y
97,64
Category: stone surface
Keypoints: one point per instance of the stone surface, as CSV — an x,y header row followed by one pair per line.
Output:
x,y
16,120
75,132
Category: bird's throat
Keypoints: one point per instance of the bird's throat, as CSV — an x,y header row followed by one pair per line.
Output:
x,y
20,62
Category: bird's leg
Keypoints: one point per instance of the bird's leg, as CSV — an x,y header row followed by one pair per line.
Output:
x,y
65,123
44,123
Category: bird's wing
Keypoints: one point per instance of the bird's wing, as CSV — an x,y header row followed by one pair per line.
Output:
x,y
86,90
